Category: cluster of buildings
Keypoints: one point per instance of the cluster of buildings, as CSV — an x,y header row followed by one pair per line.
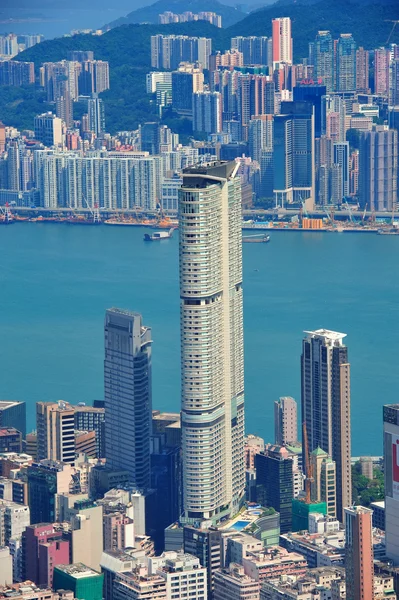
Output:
x,y
321,132
291,120
188,16
11,44
117,500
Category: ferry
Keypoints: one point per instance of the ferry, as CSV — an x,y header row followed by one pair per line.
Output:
x,y
158,235
256,239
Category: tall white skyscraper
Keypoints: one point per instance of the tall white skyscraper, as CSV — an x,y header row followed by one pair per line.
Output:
x,y
282,41
127,394
211,312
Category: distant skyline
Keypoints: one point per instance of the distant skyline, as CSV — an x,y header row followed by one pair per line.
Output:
x,y
54,18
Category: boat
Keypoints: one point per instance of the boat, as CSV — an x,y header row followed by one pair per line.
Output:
x,y
388,232
256,239
6,217
158,235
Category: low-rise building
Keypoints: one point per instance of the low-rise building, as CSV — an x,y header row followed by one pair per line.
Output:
x,y
85,583
234,584
273,562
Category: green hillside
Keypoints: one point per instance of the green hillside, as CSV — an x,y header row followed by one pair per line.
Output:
x,y
127,49
149,14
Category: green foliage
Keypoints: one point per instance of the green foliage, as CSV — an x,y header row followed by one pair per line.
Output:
x,y
364,490
19,105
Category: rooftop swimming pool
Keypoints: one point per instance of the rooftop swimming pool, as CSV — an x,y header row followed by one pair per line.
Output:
x,y
238,525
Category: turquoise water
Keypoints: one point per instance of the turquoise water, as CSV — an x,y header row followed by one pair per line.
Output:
x,y
57,280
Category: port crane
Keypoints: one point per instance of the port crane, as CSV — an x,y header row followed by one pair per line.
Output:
x,y
94,213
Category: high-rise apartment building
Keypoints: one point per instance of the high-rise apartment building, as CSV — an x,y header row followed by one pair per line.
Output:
x,y
90,418
95,111
186,81
16,73
341,158
168,51
346,63
13,414
326,404
381,71
362,71
55,426
323,486
378,169
254,97
391,470
275,484
211,341
48,129
324,59
207,112
359,564
393,92
282,41
294,168
255,50
127,394
9,45
313,93
260,136
285,421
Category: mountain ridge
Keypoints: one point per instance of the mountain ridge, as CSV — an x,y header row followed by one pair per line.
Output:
x,y
149,14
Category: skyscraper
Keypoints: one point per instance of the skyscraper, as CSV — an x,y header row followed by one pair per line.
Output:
x,y
359,564
326,404
324,59
391,470
127,394
378,168
294,172
275,484
211,341
282,41
285,421
381,71
362,71
55,426
207,112
393,92
346,63
95,110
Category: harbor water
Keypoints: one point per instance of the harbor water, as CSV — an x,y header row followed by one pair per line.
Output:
x,y
57,280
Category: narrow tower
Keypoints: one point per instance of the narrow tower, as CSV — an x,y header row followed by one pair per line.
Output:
x,y
211,312
127,394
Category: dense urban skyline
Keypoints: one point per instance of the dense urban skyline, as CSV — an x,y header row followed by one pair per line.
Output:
x,y
119,499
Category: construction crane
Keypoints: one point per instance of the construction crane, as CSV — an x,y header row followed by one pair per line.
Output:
x,y
308,467
364,213
349,211
392,30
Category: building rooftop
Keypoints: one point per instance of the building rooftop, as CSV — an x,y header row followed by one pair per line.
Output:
x,y
77,570
329,336
8,403
4,431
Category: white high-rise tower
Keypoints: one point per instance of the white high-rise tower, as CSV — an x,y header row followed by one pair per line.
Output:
x,y
211,309
282,41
